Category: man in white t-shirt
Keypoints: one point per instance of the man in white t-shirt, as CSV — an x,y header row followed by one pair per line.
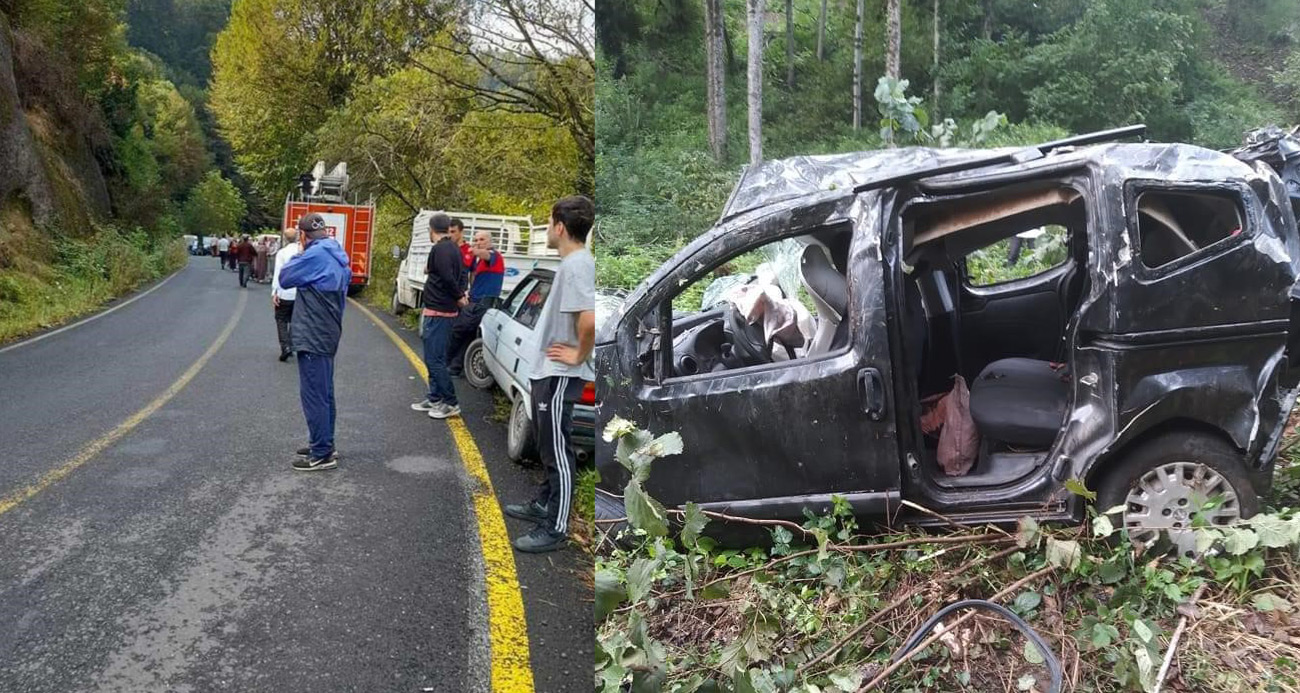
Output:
x,y
562,367
223,250
282,299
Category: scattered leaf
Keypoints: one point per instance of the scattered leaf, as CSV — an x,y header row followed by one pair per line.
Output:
x,y
1078,488
1239,540
693,524
1026,601
1063,553
1142,630
1032,655
1102,528
1027,532
1267,601
610,592
1026,682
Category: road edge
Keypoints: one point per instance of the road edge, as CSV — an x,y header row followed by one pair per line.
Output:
x,y
507,625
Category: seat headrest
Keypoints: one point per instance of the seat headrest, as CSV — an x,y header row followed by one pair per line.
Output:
x,y
824,281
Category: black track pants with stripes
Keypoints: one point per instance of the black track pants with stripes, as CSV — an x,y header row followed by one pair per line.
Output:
x,y
553,400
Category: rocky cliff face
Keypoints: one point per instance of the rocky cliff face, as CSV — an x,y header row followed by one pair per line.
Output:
x,y
49,171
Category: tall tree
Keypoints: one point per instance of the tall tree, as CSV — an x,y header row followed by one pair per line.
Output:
x,y
821,32
755,92
715,76
935,101
857,67
540,56
894,40
789,44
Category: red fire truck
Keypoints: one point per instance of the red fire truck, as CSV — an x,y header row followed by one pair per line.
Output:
x,y
350,223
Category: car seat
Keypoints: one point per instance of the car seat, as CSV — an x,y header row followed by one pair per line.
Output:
x,y
1021,402
829,290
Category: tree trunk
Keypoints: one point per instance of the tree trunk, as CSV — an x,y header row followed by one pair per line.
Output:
x,y
716,78
821,33
934,107
988,20
857,68
789,44
894,39
756,16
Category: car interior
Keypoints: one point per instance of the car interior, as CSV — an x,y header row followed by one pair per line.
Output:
x,y
721,338
997,320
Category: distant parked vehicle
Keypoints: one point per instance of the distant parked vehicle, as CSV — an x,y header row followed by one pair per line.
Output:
x,y
500,356
521,243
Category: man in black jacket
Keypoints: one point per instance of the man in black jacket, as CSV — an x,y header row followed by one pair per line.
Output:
x,y
443,297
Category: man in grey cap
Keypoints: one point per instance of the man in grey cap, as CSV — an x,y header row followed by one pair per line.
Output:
x,y
321,274
443,296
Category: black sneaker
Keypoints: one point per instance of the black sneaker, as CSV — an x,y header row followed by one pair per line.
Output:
x,y
306,452
315,464
532,511
541,540
284,356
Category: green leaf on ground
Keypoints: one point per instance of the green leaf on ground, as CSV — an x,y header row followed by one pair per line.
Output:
x,y
1267,601
1274,532
847,679
1028,600
1142,630
1026,683
609,593
1027,532
717,590
1032,655
640,577
1063,553
1102,527
1103,634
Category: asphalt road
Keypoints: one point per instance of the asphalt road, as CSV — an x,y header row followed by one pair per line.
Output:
x,y
155,538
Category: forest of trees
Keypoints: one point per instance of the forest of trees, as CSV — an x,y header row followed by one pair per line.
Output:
x,y
674,87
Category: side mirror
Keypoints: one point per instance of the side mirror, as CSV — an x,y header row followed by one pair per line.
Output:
x,y
397,252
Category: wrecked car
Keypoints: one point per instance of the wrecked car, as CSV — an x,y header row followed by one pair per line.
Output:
x,y
1144,345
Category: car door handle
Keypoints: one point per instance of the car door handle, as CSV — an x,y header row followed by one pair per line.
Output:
x,y
499,327
519,340
871,390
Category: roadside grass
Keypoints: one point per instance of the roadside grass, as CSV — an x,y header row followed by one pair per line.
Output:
x,y
821,606
73,277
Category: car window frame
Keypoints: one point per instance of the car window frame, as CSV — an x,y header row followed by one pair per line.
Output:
x,y
521,290
1018,282
1133,189
663,310
530,324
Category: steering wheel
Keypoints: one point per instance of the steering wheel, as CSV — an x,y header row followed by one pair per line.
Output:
x,y
747,339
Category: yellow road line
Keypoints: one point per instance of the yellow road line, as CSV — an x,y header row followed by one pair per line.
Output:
x,y
99,444
508,632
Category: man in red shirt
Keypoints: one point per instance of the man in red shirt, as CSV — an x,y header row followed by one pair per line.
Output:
x,y
489,274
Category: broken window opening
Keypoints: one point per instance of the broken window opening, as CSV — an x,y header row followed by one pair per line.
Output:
x,y
1173,225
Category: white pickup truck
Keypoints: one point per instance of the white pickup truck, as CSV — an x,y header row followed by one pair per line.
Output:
x,y
521,243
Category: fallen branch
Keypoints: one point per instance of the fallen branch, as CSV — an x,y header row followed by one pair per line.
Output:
x,y
1173,642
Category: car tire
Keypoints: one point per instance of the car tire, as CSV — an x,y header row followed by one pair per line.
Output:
x,y
610,508
356,289
520,440
396,306
1161,480
476,368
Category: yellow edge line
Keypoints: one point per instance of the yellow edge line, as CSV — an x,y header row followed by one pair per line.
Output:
x,y
99,444
508,633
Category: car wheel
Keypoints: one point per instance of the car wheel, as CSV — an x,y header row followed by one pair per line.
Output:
x,y
476,368
397,306
519,432
608,509
1168,483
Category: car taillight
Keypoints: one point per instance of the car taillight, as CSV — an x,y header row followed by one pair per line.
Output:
x,y
588,394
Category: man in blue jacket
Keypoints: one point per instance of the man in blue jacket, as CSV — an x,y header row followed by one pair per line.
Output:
x,y
321,274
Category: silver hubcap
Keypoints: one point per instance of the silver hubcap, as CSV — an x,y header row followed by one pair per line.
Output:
x,y
478,364
518,424
1168,498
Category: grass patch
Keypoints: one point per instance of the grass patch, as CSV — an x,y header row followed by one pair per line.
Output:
x,y
80,276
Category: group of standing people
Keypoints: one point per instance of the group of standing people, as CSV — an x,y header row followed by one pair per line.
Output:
x,y
310,278
251,260
566,335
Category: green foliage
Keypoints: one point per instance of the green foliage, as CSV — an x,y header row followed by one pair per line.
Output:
x,y
214,207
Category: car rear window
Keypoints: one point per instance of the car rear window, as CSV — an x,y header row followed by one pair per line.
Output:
x,y
1172,225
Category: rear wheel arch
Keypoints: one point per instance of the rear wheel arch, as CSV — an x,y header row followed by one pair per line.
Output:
x,y
1173,427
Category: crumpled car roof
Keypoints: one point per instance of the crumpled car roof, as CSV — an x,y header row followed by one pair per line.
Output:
x,y
783,179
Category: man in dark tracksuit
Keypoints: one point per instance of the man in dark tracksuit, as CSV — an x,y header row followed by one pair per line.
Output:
x,y
245,254
321,275
566,332
443,297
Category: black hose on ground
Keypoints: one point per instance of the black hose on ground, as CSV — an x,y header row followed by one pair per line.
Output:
x,y
1049,658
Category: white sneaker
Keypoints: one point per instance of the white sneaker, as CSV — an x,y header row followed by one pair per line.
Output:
x,y
442,411
425,405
